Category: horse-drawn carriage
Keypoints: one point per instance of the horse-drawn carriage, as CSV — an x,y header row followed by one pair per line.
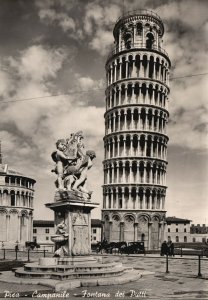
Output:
x,y
133,248
113,247
31,245
120,247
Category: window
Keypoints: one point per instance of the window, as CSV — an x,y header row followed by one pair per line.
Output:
x,y
94,238
12,198
194,240
149,40
34,230
47,230
168,229
203,240
184,229
185,239
139,29
35,239
47,238
176,224
143,236
177,239
176,229
94,230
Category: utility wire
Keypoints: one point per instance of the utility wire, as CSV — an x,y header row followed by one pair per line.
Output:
x,y
87,91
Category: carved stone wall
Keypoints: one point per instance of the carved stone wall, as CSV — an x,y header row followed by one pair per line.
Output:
x,y
80,233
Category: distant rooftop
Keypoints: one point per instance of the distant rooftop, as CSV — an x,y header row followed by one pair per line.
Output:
x,y
43,223
50,223
95,222
177,220
4,170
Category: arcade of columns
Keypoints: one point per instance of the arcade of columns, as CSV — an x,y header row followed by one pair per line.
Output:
x,y
16,208
135,142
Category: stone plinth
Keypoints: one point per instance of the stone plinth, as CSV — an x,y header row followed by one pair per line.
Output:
x,y
72,219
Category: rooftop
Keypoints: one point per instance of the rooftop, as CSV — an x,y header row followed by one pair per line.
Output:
x,y
177,220
50,223
4,170
43,223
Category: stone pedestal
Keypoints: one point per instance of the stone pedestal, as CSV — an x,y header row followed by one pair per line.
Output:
x,y
72,221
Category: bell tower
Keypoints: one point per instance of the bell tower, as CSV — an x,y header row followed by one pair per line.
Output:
x,y
135,141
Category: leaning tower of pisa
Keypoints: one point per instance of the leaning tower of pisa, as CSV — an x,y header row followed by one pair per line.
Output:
x,y
135,141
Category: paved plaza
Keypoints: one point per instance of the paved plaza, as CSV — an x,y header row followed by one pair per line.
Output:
x,y
180,283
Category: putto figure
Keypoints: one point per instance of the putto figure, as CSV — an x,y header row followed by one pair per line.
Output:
x,y
72,164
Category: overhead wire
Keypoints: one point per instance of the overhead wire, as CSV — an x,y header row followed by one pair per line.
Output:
x,y
86,91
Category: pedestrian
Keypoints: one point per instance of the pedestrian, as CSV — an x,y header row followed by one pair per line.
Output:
x,y
164,248
170,247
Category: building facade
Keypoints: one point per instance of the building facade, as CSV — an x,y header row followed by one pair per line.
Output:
x,y
16,207
199,233
135,141
96,226
43,230
178,230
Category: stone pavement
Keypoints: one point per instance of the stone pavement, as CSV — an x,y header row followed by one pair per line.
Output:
x,y
180,283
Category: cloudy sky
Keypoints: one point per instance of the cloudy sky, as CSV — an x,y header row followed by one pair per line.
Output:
x,y
59,48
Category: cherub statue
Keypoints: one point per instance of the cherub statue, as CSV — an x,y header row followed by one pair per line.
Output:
x,y
72,164
61,228
62,159
80,183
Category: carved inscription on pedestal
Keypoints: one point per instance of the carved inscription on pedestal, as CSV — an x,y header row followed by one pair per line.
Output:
x,y
80,234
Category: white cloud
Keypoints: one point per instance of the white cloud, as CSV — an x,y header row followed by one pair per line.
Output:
x,y
50,16
87,83
98,25
38,63
102,41
192,13
6,83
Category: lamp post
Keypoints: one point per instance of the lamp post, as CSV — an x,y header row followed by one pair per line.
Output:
x,y
16,248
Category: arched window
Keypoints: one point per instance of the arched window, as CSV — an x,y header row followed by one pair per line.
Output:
x,y
185,239
194,240
177,239
128,39
139,28
149,40
12,198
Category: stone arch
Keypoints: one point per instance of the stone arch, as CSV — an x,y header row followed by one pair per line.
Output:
x,y
12,198
126,195
106,227
115,227
3,222
143,221
149,40
129,220
139,28
155,232
13,225
135,144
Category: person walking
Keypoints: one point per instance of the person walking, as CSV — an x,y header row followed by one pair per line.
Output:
x,y
170,247
164,249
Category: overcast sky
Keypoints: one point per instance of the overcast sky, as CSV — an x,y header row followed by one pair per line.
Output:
x,y
60,47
